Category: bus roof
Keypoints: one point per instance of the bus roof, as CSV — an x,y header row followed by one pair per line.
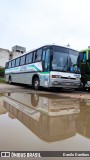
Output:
x,y
49,45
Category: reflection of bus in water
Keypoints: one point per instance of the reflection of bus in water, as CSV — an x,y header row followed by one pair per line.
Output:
x,y
49,127
83,119
48,103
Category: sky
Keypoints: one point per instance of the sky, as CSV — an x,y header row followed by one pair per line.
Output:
x,y
34,23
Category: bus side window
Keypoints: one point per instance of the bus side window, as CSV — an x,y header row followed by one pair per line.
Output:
x,y
9,65
47,60
17,62
13,63
43,57
29,58
38,55
81,56
22,60
84,57
88,55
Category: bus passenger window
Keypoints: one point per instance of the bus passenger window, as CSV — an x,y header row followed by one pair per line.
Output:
x,y
17,61
29,58
47,60
9,64
22,61
13,63
43,58
38,55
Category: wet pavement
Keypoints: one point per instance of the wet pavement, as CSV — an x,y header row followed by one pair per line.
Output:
x,y
43,122
4,88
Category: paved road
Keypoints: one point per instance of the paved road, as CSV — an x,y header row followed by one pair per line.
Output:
x,y
10,88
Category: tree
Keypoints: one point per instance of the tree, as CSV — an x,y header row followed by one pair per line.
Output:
x,y
2,71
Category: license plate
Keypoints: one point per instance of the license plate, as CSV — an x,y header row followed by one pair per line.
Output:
x,y
77,75
67,83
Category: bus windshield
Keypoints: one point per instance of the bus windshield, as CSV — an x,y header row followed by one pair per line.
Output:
x,y
65,60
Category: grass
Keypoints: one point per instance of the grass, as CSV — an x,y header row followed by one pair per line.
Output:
x,y
2,80
1,94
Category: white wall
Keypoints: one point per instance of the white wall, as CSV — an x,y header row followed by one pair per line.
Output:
x,y
16,54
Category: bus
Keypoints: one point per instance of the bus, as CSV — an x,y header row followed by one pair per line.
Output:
x,y
47,66
49,117
84,57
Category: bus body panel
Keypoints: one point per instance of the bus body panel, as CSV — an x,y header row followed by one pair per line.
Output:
x,y
62,79
20,73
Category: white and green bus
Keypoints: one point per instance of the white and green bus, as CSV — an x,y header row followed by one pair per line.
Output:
x,y
47,66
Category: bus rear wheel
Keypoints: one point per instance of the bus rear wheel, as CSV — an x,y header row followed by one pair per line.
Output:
x,y
36,83
10,80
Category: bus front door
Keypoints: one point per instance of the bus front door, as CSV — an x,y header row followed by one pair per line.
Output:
x,y
46,68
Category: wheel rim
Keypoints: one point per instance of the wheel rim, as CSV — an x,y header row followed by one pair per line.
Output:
x,y
36,84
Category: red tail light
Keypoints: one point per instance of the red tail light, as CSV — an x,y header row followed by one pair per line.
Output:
x,y
53,76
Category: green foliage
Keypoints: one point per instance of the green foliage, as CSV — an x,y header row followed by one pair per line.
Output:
x,y
2,71
2,80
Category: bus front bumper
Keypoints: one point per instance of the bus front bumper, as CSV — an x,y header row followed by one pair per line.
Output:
x,y
65,83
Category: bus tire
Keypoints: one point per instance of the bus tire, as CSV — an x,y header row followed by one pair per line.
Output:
x,y
36,83
10,80
82,86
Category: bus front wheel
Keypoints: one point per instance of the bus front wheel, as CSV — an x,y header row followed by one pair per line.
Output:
x,y
82,86
36,83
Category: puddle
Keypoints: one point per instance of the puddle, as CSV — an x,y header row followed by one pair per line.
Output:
x,y
36,121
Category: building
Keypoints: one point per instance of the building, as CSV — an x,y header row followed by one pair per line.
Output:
x,y
6,55
18,49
